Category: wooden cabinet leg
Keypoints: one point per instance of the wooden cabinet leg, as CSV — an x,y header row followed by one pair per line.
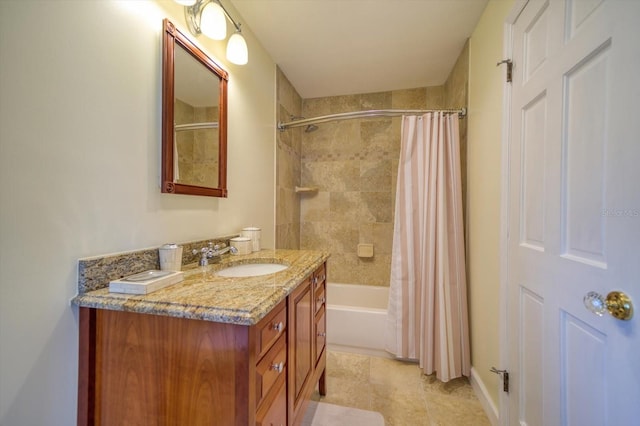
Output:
x,y
322,384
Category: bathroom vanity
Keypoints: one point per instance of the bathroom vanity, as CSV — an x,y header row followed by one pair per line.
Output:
x,y
210,350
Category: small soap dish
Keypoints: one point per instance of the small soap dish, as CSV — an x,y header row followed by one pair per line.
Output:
x,y
145,282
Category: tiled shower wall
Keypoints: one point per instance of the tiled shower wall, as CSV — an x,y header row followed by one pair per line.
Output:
x,y
287,166
353,164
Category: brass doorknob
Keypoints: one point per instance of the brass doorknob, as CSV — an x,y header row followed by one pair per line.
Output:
x,y
617,303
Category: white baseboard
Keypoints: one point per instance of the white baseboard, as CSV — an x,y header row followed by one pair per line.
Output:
x,y
483,395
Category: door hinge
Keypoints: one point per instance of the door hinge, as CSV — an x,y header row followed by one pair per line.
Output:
x,y
509,68
504,374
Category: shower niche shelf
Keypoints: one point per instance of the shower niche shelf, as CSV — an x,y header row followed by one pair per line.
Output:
x,y
306,189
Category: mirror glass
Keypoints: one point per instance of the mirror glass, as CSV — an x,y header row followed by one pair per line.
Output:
x,y
194,119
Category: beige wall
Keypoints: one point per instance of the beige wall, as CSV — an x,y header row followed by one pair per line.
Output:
x,y
80,111
483,190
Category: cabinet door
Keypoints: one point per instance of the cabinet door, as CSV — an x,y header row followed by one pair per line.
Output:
x,y
321,333
320,319
300,340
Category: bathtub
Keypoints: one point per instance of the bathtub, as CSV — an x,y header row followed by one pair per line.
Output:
x,y
356,318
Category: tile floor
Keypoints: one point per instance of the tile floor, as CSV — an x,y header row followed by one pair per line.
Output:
x,y
400,392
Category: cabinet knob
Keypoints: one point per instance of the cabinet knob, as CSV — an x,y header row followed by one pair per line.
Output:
x,y
278,327
322,334
278,367
321,300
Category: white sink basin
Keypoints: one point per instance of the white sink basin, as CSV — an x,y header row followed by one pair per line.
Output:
x,y
251,270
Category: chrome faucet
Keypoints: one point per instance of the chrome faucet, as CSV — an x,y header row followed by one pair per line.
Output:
x,y
213,252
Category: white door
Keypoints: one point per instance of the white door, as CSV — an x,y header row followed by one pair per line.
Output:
x,y
574,212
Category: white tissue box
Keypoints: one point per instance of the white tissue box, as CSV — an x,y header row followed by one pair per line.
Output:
x,y
145,282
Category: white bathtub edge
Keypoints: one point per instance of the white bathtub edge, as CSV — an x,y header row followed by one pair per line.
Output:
x,y
355,318
343,294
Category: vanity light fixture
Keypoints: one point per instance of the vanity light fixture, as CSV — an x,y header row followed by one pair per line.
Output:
x,y
213,23
237,52
209,17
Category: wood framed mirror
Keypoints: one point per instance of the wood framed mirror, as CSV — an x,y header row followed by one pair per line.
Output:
x,y
194,118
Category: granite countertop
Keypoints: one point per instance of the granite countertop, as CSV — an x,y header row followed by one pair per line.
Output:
x,y
203,295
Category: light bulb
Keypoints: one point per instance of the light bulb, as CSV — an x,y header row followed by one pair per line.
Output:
x,y
237,51
213,23
186,2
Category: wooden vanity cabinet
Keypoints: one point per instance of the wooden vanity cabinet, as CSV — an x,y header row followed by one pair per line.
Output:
x,y
144,369
158,370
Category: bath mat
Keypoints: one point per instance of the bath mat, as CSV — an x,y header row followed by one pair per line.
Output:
x,y
323,414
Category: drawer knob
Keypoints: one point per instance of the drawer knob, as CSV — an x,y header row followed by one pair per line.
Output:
x,y
278,327
278,367
322,334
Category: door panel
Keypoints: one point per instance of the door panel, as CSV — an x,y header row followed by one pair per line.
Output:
x,y
577,13
584,145
574,212
583,354
531,356
535,40
532,160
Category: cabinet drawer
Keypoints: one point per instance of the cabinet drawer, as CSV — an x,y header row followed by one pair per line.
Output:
x,y
274,411
270,329
320,275
270,368
320,296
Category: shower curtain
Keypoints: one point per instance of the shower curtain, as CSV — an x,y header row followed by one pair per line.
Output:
x,y
427,317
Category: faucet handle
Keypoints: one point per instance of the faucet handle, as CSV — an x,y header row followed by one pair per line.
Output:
x,y
206,253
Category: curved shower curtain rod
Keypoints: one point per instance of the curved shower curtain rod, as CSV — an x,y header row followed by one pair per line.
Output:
x,y
462,112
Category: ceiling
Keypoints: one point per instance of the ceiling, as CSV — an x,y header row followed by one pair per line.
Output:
x,y
340,47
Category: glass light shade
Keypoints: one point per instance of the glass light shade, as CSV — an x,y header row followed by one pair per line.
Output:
x,y
237,51
213,23
186,2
